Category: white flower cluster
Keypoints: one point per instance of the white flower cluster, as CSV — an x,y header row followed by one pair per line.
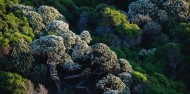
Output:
x,y
61,28
180,8
125,66
20,48
141,7
45,17
69,39
22,7
85,36
162,10
36,21
105,57
50,14
51,45
146,8
21,57
110,82
81,51
58,26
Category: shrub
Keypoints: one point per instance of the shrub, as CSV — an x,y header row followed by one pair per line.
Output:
x,y
13,29
37,73
160,84
120,53
177,9
146,8
36,22
140,77
130,30
141,7
66,7
181,32
173,55
110,82
112,16
20,58
11,83
125,66
152,34
50,14
58,26
108,20
106,58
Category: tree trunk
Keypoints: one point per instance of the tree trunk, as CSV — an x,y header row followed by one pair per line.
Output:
x,y
54,76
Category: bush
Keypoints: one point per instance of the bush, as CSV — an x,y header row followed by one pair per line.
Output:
x,y
108,20
130,30
177,9
19,59
66,7
11,83
141,7
140,77
112,16
181,32
110,82
147,9
13,29
160,84
120,53
37,73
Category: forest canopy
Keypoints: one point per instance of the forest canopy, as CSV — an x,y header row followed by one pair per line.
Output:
x,y
94,46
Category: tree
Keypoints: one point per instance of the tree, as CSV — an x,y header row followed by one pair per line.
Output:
x,y
72,52
53,47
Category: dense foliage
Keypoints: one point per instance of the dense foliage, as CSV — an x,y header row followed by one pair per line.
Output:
x,y
94,46
12,83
